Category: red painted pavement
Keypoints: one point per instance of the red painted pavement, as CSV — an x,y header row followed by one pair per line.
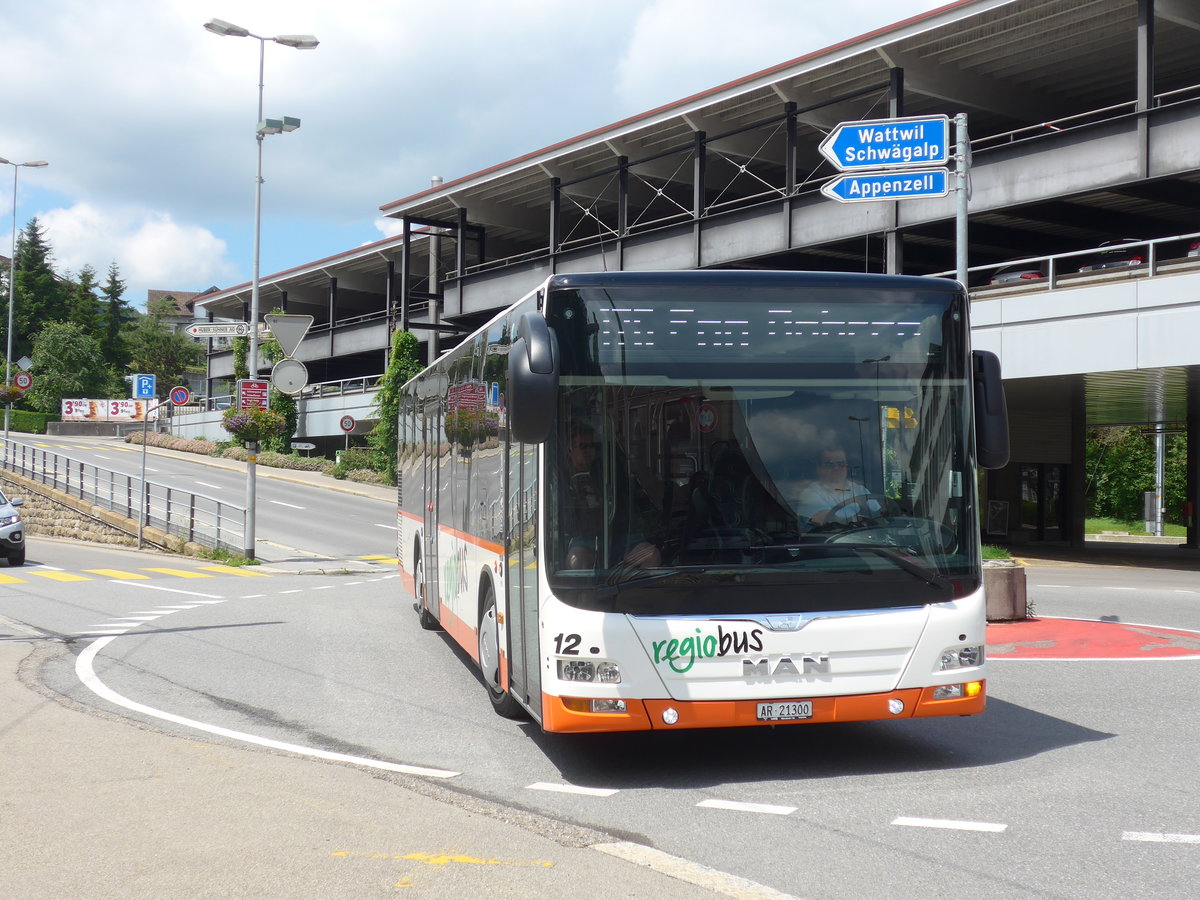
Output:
x,y
1049,638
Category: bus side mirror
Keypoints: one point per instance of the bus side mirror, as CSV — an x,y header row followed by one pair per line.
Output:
x,y
532,380
991,411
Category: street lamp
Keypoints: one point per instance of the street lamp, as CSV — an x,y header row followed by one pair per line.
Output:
x,y
12,282
265,127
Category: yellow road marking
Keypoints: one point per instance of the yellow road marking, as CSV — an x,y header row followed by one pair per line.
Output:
x,y
9,579
235,570
181,573
60,576
118,573
376,556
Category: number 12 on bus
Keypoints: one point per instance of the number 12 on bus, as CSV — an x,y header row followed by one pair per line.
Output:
x,y
708,498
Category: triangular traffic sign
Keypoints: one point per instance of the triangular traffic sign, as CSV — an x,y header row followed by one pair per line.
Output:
x,y
289,330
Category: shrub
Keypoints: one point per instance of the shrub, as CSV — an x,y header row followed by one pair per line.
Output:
x,y
254,424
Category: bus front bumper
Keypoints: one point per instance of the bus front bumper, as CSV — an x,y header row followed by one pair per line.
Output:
x,y
572,715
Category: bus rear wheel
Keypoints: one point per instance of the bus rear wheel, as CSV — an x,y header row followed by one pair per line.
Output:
x,y
489,660
426,619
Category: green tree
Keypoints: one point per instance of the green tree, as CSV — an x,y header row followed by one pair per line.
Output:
x,y
68,363
40,295
154,347
270,351
116,315
1120,469
85,307
403,365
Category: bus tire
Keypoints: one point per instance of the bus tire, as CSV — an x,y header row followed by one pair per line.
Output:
x,y
426,619
489,659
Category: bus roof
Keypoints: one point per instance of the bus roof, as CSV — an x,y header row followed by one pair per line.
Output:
x,y
748,277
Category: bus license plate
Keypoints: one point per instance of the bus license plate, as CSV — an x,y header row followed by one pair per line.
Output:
x,y
778,711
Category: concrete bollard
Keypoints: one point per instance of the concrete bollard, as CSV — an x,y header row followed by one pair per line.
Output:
x,y
1004,588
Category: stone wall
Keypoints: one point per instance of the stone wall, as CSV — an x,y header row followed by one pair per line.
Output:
x,y
52,513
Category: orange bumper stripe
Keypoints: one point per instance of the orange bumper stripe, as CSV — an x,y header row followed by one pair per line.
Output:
x,y
646,715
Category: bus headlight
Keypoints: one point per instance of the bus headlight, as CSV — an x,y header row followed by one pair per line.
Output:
x,y
955,691
961,657
602,671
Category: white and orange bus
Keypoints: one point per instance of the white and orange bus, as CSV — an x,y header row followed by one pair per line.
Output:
x,y
610,496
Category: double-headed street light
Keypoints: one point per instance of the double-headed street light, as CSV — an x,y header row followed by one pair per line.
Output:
x,y
12,282
265,127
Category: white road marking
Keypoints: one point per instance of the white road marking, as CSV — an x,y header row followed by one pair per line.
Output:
x,y
748,807
252,596
296,591
693,873
289,505
952,824
1121,589
380,525
206,484
143,618
570,789
153,587
87,674
1154,837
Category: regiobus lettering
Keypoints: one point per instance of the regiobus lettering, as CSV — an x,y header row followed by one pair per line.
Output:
x,y
703,499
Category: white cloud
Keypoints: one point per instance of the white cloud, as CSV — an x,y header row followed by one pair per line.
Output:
x,y
150,248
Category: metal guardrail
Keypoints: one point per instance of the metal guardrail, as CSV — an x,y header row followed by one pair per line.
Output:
x,y
194,517
1060,266
343,387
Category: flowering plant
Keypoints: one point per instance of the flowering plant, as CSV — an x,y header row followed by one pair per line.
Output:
x,y
10,394
253,424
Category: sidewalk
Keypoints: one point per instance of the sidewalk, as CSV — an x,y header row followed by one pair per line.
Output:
x,y
96,806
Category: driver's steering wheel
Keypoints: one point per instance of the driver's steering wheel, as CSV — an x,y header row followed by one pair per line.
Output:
x,y
886,504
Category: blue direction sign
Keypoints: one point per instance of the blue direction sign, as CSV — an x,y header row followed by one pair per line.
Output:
x,y
888,186
889,143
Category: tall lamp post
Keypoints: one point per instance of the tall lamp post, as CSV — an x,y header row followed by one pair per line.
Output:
x,y
265,127
12,284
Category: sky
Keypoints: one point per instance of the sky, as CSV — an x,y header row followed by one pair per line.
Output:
x,y
148,120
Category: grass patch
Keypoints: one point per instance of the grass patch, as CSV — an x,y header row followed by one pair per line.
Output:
x,y
221,555
991,551
1099,525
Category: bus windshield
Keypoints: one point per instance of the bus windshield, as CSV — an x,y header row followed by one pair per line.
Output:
x,y
725,450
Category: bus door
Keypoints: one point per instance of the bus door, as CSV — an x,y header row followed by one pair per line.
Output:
x,y
521,544
431,419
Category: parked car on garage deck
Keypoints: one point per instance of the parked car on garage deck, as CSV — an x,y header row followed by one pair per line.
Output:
x,y
1118,257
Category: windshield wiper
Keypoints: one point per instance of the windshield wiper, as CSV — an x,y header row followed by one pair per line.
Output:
x,y
908,565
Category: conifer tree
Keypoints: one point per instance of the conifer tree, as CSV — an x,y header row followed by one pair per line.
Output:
x,y
85,305
116,315
40,295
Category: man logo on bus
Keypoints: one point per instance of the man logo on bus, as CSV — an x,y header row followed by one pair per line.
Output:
x,y
785,668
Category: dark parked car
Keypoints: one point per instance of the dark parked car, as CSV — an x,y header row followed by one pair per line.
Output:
x,y
1016,272
1117,258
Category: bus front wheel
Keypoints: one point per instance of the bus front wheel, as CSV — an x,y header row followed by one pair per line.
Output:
x,y
489,660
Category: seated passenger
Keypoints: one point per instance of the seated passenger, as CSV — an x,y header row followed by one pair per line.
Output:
x,y
583,507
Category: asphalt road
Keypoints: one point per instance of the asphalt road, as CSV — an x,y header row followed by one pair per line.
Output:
x,y
1076,782
292,517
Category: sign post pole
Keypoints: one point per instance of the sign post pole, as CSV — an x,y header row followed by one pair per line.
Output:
x,y
960,208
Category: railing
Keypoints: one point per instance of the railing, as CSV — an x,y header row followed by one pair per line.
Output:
x,y
1065,266
193,517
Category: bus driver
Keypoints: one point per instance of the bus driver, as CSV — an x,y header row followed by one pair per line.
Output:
x,y
833,499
